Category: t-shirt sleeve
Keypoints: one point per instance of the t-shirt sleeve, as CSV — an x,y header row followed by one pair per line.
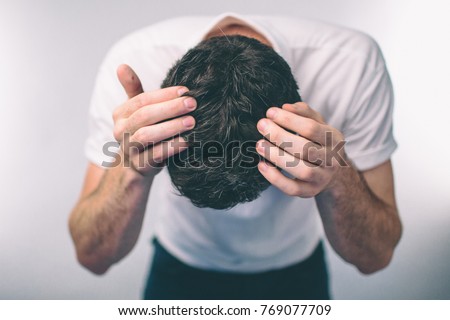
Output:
x,y
368,129
100,146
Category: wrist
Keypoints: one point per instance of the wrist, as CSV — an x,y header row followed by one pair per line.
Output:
x,y
139,163
130,174
344,177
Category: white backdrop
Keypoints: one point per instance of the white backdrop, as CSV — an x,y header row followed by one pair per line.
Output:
x,y
49,55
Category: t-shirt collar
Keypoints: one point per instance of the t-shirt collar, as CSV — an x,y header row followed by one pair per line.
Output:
x,y
256,24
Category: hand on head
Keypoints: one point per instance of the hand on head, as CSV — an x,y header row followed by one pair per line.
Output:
x,y
142,126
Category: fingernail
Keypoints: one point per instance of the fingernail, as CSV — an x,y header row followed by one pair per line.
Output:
x,y
263,166
188,122
262,125
260,146
271,112
190,103
182,91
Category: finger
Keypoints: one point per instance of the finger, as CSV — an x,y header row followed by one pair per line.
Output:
x,y
153,134
296,167
306,127
158,112
304,110
296,145
292,187
129,80
163,150
148,98
154,157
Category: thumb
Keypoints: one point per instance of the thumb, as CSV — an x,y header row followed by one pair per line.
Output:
x,y
129,80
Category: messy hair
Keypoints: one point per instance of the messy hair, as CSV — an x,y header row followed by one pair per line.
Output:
x,y
235,80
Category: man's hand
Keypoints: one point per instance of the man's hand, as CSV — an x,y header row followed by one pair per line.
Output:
x,y
106,222
142,125
358,209
312,156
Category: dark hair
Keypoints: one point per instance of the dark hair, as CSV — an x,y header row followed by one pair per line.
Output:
x,y
235,80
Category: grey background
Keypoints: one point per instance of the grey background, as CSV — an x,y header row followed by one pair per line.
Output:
x,y
49,55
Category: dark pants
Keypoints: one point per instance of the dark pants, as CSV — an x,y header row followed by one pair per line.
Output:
x,y
171,279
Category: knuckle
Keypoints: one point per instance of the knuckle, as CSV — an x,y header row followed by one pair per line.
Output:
x,y
137,101
320,158
302,106
310,128
311,154
140,136
316,154
119,130
289,146
143,116
130,125
319,116
116,114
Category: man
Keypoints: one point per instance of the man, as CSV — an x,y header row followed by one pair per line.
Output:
x,y
270,247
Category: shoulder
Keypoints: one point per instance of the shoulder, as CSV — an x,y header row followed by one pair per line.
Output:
x,y
163,35
304,34
336,67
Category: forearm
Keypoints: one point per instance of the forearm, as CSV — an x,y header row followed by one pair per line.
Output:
x,y
358,211
362,228
105,224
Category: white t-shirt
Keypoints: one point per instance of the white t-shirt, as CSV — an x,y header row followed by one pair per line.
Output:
x,y
341,74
